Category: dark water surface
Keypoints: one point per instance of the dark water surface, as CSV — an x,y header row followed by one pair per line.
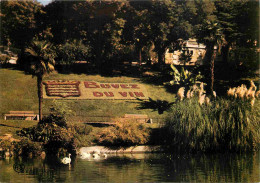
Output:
x,y
136,168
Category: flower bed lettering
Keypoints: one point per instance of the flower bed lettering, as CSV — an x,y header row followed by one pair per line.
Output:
x,y
121,91
62,88
94,90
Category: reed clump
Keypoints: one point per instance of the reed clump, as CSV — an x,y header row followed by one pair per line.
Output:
x,y
124,133
209,124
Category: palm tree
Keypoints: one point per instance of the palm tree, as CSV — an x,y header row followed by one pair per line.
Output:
x,y
211,35
42,63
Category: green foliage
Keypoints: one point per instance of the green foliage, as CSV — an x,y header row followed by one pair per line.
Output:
x,y
225,125
239,21
52,136
185,78
4,59
185,58
52,131
26,148
155,105
41,62
81,135
6,145
59,113
42,58
18,22
244,60
162,28
124,133
82,129
81,140
210,33
70,52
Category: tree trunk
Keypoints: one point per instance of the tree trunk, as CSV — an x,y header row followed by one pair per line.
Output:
x,y
98,51
225,53
161,56
210,61
140,55
39,85
212,64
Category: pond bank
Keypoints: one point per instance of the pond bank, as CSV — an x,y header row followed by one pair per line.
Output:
x,y
122,150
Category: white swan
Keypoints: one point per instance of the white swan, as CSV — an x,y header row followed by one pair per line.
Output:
x,y
95,156
103,155
66,160
96,151
85,155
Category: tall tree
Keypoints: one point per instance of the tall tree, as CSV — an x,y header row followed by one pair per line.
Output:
x,y
18,21
42,63
210,33
162,17
240,22
137,30
64,19
104,28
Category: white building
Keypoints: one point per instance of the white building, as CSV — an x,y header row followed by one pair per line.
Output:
x,y
191,46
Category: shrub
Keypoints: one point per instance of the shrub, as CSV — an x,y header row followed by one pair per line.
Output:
x,y
82,129
80,134
244,61
185,78
70,52
27,148
124,133
52,136
58,114
81,140
52,132
4,59
224,125
6,144
58,138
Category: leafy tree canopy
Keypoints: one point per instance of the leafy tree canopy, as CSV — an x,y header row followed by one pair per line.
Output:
x,y
19,21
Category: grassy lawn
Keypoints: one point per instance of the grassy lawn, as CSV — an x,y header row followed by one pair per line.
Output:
x,y
18,91
11,126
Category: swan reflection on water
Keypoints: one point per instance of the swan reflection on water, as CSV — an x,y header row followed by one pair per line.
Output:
x,y
135,168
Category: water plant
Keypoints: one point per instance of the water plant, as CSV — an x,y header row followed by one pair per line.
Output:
x,y
124,133
222,124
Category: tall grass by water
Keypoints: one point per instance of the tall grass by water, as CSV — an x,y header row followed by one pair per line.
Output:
x,y
224,125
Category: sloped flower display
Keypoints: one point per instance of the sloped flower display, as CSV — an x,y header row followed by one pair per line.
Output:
x,y
62,88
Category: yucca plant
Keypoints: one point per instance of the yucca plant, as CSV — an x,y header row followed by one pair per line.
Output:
x,y
184,78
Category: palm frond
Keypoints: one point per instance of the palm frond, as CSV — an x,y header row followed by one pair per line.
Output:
x,y
43,60
31,52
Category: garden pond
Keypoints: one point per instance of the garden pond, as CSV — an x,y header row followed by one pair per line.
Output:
x,y
136,168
